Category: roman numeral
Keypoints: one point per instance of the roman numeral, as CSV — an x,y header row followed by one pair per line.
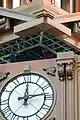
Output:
x,y
25,118
16,82
38,79
6,111
7,91
4,102
46,107
29,78
11,116
46,86
48,96
38,117
17,118
24,78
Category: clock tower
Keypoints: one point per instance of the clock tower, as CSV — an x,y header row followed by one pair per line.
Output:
x,y
45,89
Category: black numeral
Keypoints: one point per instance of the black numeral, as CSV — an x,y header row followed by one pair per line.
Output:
x,y
7,91
29,78
4,102
38,79
46,107
24,79
38,117
17,118
6,111
25,118
12,116
16,82
48,96
46,86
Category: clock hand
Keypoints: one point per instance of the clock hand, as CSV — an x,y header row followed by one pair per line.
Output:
x,y
31,96
26,90
35,95
20,98
38,87
26,95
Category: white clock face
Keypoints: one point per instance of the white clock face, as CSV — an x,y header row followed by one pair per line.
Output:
x,y
26,97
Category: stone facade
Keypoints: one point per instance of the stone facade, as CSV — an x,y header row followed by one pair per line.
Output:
x,y
66,82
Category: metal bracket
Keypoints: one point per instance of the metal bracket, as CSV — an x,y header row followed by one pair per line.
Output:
x,y
50,71
4,76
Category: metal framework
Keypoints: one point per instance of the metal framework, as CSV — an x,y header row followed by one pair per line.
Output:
x,y
35,47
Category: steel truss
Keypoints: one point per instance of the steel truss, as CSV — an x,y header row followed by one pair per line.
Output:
x,y
35,47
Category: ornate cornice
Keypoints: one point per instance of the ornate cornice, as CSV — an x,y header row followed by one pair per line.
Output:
x,y
66,63
61,72
50,71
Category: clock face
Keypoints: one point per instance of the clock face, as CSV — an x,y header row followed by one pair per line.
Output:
x,y
26,97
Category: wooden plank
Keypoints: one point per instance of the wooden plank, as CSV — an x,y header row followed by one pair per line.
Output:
x,y
15,14
24,27
65,30
67,18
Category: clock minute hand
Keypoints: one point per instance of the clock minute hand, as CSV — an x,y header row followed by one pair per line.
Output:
x,y
26,94
35,95
31,96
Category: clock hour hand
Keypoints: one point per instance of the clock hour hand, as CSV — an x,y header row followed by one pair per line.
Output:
x,y
20,98
25,98
26,94
26,90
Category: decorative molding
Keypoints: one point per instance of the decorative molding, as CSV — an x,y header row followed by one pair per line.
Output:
x,y
65,71
66,63
27,68
4,76
61,72
69,71
50,71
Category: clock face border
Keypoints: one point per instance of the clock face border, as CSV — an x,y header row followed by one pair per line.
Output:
x,y
46,79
